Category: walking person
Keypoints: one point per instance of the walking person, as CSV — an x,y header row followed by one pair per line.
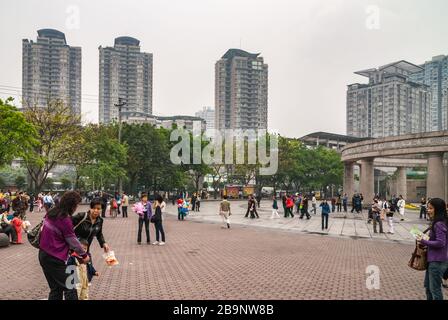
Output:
x,y
285,211
89,225
325,213
314,204
144,211
423,208
304,209
289,206
401,205
274,208
159,207
56,239
125,204
225,212
437,244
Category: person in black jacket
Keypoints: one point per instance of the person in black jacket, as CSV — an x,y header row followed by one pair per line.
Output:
x,y
89,225
157,220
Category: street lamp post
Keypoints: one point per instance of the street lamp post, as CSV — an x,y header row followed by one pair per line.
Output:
x,y
119,105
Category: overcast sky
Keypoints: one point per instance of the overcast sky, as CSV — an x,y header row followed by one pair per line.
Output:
x,y
312,47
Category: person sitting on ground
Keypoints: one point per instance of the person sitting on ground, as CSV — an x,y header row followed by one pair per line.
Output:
x,y
6,226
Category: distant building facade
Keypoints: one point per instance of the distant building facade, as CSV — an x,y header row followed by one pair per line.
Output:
x,y
390,104
51,70
241,91
125,73
208,114
167,122
434,73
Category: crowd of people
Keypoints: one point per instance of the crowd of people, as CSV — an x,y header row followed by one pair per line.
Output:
x,y
66,237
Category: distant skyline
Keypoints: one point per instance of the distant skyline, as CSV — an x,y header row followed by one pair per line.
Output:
x,y
312,48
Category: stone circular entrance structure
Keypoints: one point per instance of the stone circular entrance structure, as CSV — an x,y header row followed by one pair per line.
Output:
x,y
386,152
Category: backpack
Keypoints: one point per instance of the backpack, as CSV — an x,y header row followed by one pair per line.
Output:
x,y
114,204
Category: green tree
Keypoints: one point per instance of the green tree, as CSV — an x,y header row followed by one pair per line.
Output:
x,y
58,128
20,182
17,135
66,183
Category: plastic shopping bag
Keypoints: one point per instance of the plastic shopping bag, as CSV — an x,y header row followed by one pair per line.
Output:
x,y
110,258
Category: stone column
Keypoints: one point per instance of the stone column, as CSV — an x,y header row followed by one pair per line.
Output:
x,y
348,179
435,182
401,183
367,180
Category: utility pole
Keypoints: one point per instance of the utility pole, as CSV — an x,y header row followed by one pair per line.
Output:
x,y
120,104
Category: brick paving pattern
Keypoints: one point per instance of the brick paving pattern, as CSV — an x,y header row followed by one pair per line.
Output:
x,y
203,261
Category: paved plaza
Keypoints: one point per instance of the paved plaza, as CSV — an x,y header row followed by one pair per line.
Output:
x,y
256,259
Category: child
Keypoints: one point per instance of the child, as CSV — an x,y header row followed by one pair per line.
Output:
x,y
85,272
16,222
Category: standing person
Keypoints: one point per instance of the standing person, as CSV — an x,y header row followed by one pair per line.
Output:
x,y
437,244
325,213
305,208
85,272
193,202
89,225
159,206
20,205
344,202
105,201
401,205
258,198
113,208
125,204
118,200
39,203
376,216
423,208
225,212
56,239
333,204
31,201
198,203
389,215
339,203
314,204
274,208
180,203
144,211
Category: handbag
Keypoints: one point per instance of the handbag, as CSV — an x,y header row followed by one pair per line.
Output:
x,y
34,235
419,258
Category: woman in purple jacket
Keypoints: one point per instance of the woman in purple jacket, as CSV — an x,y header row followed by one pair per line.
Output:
x,y
56,239
437,249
